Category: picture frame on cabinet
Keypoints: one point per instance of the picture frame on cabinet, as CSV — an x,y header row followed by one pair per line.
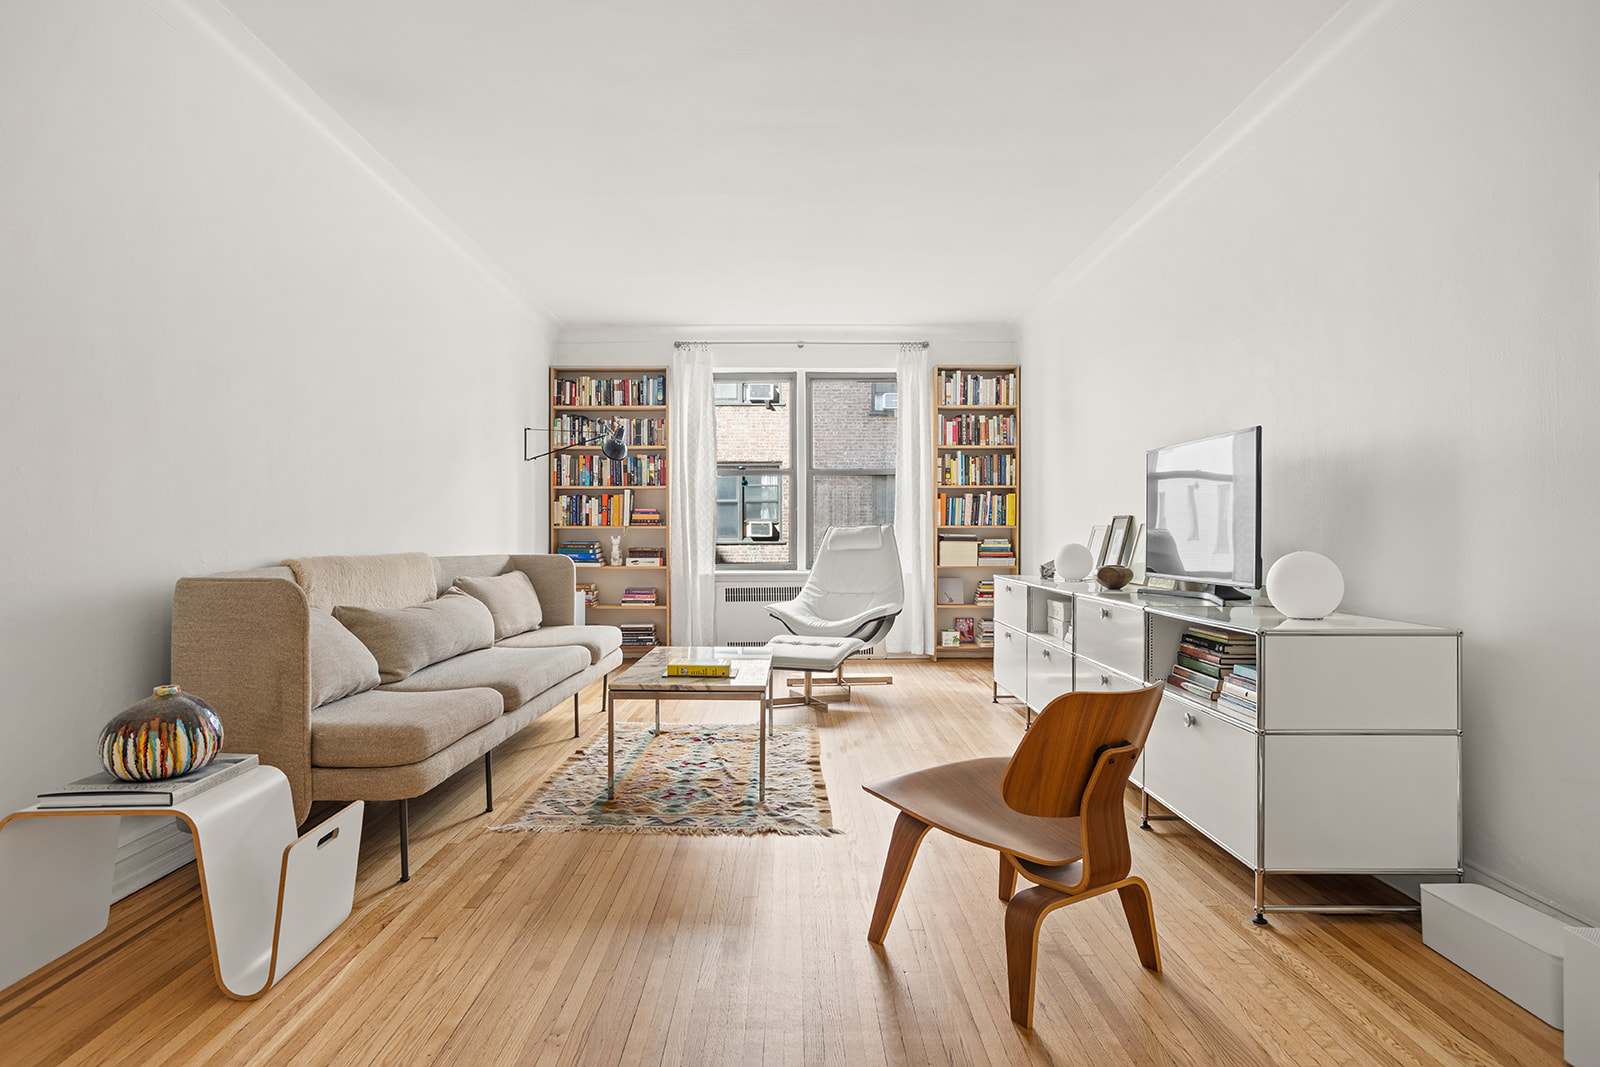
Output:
x,y
1131,545
1116,539
1097,546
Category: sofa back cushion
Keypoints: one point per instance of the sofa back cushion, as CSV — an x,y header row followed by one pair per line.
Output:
x,y
393,581
404,640
341,666
510,599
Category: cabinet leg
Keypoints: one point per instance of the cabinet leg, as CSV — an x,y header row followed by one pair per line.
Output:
x,y
1261,899
1144,808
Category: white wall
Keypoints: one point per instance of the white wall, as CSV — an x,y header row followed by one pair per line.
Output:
x,y
1390,262
227,337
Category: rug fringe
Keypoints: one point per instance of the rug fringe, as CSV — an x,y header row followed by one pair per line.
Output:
x,y
687,831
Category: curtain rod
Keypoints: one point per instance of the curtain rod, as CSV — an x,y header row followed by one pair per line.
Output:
x,y
800,344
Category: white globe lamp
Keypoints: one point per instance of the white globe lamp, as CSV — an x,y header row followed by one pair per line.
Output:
x,y
1073,562
1305,585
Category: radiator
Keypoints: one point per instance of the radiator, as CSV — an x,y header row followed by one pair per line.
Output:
x,y
741,612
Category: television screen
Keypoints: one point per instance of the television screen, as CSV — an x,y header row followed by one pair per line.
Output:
x,y
1203,510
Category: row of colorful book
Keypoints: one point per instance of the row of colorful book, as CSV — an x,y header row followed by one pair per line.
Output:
x,y
978,509
583,429
597,509
644,517
594,469
1217,666
584,391
981,390
978,430
985,468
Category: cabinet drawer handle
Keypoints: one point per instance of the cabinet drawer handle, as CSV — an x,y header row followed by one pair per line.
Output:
x,y
1046,652
1007,633
1105,613
1188,719
1105,680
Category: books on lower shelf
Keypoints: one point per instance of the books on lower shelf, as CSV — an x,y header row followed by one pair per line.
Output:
x,y
644,517
1217,666
106,790
582,553
985,633
968,629
639,595
647,557
638,634
698,668
985,591
591,593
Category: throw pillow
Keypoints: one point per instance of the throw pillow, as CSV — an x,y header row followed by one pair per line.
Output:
x,y
510,598
341,666
405,640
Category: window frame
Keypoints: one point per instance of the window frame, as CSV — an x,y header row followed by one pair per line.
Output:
x,y
812,471
787,382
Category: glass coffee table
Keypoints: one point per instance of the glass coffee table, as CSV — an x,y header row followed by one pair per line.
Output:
x,y
750,678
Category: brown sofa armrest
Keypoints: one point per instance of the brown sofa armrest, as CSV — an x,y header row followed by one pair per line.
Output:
x,y
555,579
242,644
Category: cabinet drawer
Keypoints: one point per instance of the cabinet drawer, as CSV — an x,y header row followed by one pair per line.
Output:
x,y
1049,672
1204,769
1113,634
1092,677
1011,604
1011,660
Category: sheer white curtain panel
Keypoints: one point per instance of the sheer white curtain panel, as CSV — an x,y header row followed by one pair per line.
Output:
x,y
913,502
691,478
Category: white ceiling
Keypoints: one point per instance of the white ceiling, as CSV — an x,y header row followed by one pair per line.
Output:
x,y
758,161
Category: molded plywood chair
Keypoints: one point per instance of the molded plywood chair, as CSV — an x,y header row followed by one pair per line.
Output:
x,y
854,591
1054,812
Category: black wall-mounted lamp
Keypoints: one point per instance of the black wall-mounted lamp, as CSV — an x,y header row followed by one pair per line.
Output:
x,y
612,439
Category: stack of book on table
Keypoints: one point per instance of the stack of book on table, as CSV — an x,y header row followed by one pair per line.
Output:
x,y
106,790
639,595
1207,659
698,668
1239,690
582,553
638,634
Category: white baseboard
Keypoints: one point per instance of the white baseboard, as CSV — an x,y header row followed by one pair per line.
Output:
x,y
149,848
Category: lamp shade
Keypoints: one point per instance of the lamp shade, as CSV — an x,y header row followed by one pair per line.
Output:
x,y
1305,585
1073,562
616,445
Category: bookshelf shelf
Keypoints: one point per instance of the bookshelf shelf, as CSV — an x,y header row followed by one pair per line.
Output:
x,y
649,421
980,404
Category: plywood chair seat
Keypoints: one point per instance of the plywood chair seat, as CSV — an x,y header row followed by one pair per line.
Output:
x,y
1053,811
964,799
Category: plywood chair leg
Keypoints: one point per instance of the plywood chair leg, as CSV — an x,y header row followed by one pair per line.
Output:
x,y
1141,920
1008,879
903,844
1024,915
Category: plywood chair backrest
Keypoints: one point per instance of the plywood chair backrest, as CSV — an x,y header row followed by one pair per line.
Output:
x,y
1050,770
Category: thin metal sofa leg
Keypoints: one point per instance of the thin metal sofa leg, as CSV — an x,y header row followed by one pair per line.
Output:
x,y
405,844
488,781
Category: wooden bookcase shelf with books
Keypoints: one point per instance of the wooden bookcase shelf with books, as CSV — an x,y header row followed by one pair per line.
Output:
x,y
977,478
603,510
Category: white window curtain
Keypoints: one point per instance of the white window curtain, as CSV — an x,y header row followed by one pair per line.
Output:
x,y
913,503
691,479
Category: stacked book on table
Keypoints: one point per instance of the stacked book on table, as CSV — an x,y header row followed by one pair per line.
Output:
x,y
1209,659
638,634
639,596
582,553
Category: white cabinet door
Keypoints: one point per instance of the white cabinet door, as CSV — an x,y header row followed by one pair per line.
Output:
x,y
1092,677
1011,603
1359,682
1011,660
1112,634
1204,769
1362,802
1049,672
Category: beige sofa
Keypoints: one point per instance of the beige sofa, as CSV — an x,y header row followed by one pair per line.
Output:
x,y
420,694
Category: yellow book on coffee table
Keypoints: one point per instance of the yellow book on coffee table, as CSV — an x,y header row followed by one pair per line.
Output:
x,y
699,668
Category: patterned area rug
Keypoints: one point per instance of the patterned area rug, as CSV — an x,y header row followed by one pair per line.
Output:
x,y
688,780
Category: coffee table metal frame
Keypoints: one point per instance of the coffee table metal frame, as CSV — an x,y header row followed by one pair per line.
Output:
x,y
751,680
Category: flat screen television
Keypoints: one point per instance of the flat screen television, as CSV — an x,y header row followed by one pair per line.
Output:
x,y
1202,511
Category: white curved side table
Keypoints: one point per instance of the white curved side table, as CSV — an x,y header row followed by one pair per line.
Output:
x,y
269,896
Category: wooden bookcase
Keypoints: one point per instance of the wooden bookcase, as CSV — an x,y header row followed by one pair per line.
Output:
x,y
977,495
581,479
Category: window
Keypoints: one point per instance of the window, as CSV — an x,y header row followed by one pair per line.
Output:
x,y
852,453
755,469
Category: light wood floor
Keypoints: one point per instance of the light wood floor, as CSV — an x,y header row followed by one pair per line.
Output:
x,y
646,949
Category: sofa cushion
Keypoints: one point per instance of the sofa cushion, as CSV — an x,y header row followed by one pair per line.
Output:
x,y
601,641
405,640
379,729
340,664
510,599
391,581
517,674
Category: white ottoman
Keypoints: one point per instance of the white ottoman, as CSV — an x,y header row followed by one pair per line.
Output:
x,y
795,652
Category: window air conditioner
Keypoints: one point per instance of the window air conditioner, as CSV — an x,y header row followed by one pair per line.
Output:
x,y
760,392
